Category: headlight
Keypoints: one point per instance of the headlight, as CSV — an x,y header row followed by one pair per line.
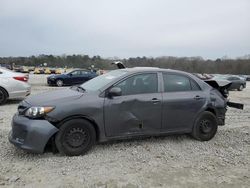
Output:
x,y
37,112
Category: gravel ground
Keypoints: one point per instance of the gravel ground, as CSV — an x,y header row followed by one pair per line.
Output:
x,y
171,161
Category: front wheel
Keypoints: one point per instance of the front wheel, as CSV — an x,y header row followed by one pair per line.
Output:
x,y
205,126
75,137
59,83
240,88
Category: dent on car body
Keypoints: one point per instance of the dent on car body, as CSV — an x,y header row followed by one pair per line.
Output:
x,y
222,86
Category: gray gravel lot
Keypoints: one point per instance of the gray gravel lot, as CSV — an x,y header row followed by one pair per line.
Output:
x,y
171,161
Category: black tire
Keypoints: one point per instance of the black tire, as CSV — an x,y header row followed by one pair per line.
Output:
x,y
75,137
240,88
3,96
205,126
59,83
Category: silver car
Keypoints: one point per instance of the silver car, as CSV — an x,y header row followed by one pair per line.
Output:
x,y
13,85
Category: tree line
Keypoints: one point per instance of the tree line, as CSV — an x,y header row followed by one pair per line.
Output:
x,y
189,64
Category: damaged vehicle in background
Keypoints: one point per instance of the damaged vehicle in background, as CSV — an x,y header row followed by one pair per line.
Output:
x,y
121,104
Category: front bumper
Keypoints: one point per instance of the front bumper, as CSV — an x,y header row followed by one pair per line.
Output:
x,y
51,81
31,135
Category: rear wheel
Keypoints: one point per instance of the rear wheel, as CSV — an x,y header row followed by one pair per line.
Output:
x,y
240,88
75,137
205,126
59,83
3,96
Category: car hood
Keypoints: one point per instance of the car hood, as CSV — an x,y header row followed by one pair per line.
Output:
x,y
53,97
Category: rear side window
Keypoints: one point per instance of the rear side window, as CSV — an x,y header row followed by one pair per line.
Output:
x,y
84,72
176,83
194,85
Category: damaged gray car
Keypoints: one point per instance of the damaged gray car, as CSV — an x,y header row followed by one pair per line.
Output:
x,y
120,104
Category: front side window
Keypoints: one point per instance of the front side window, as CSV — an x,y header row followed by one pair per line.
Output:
x,y
139,84
177,83
75,73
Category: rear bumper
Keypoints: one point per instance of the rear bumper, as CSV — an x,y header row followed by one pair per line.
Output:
x,y
31,135
221,114
221,120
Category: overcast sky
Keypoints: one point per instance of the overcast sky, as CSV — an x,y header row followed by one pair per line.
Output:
x,y
125,28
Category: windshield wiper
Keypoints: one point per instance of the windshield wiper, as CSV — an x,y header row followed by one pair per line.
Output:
x,y
78,88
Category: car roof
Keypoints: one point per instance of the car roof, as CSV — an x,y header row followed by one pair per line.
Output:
x,y
80,70
142,69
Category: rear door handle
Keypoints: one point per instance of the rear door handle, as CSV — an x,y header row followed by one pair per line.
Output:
x,y
197,97
155,100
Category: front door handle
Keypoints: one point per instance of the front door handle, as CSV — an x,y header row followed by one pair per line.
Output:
x,y
155,100
197,97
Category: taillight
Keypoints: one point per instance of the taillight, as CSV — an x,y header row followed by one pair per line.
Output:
x,y
21,78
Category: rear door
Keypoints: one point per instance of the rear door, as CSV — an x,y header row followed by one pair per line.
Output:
x,y
137,110
85,76
182,101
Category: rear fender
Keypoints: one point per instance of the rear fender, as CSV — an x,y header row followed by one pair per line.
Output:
x,y
222,86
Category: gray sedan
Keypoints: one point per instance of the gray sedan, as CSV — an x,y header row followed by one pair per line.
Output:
x,y
237,83
121,104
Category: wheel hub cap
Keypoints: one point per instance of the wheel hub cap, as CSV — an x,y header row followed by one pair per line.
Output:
x,y
76,137
205,126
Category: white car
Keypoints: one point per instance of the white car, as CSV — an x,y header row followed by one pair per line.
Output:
x,y
13,85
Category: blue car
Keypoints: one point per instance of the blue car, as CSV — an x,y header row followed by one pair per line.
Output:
x,y
72,78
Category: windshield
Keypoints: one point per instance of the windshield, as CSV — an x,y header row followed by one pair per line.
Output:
x,y
98,82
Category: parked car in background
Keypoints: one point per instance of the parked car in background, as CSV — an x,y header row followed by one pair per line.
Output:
x,y
237,83
31,69
200,76
47,71
247,77
58,71
52,71
24,69
7,66
203,76
120,104
17,68
243,77
72,78
38,71
13,85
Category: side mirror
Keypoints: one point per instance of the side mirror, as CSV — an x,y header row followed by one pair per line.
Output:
x,y
115,91
70,74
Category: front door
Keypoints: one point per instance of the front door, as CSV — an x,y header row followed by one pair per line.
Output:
x,y
74,77
137,110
